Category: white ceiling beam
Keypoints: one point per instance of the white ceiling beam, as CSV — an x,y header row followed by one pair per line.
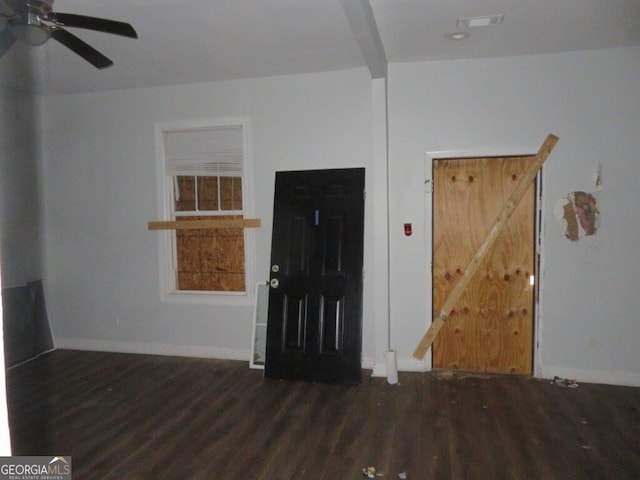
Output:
x,y
364,27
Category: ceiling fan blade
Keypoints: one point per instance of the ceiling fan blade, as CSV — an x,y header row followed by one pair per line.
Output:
x,y
6,40
92,23
80,47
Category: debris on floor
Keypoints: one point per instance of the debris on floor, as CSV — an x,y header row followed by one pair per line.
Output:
x,y
371,472
565,382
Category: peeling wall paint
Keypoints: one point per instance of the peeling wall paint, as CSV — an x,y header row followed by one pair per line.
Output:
x,y
578,213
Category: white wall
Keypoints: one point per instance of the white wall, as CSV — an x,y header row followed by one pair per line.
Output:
x,y
100,191
100,187
589,320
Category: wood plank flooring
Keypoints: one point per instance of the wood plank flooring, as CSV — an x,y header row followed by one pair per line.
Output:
x,y
139,417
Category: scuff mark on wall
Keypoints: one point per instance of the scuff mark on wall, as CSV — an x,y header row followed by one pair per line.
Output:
x,y
578,213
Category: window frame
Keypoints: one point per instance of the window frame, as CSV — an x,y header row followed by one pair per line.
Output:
x,y
167,259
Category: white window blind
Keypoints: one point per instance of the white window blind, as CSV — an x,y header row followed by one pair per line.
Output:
x,y
210,151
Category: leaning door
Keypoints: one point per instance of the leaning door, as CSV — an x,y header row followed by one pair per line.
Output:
x,y
491,327
314,326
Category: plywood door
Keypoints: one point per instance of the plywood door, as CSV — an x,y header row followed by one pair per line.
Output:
x,y
491,327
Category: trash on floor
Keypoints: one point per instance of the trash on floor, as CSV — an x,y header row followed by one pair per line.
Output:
x,y
402,476
371,472
565,382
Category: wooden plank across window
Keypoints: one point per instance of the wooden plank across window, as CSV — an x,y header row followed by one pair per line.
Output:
x,y
210,223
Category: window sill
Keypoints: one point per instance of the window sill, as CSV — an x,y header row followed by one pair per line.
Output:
x,y
208,298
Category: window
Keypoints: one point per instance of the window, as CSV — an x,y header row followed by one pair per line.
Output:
x,y
204,178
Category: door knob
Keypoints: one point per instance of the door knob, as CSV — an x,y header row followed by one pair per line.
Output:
x,y
274,283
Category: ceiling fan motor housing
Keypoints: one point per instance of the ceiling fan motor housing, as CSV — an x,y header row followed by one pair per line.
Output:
x,y
40,4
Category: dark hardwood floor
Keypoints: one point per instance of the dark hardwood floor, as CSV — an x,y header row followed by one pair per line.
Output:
x,y
141,417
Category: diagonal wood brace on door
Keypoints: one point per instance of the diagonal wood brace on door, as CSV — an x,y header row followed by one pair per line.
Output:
x,y
504,215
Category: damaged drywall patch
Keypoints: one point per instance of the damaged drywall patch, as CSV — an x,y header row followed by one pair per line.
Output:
x,y
578,213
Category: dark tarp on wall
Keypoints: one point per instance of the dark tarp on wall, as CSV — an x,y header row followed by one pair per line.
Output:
x,y
26,326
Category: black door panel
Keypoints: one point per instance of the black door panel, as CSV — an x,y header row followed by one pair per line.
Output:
x,y
314,328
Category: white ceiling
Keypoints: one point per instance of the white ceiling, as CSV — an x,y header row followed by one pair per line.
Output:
x,y
188,41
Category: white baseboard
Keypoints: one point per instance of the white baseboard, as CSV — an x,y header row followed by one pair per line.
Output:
x,y
631,379
404,365
368,363
152,349
379,369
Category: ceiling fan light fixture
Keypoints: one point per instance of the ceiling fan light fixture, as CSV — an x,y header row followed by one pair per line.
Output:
x,y
32,32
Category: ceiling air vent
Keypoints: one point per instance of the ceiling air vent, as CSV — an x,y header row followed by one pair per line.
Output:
x,y
474,22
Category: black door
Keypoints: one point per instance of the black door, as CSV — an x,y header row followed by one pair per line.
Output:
x,y
314,326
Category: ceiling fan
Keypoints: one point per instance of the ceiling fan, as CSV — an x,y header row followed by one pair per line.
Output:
x,y
34,22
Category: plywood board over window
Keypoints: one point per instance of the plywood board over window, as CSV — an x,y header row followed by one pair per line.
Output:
x,y
210,259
